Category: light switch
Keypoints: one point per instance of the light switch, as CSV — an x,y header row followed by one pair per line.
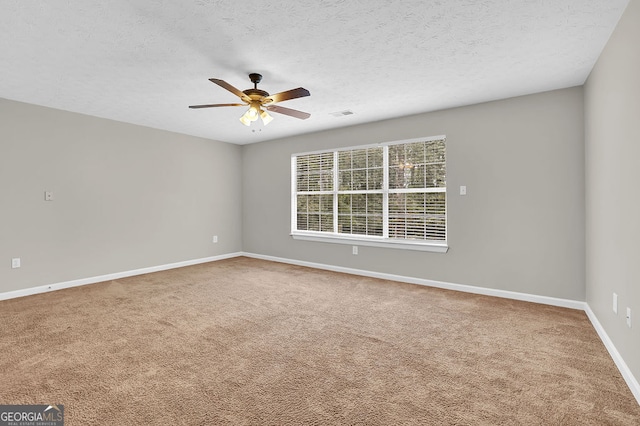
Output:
x,y
463,190
48,196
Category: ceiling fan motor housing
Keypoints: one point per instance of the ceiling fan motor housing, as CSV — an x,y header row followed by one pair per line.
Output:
x,y
255,93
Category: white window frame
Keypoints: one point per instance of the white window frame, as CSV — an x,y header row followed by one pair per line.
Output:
x,y
365,240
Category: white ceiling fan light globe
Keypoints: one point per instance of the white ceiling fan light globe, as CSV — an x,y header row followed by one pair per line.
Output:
x,y
245,120
266,118
253,111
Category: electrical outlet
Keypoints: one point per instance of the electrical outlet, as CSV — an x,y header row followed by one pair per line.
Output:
x,y
629,317
15,262
215,238
354,249
615,303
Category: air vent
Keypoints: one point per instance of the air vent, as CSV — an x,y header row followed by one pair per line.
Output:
x,y
341,113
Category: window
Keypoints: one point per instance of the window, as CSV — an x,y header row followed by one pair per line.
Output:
x,y
386,194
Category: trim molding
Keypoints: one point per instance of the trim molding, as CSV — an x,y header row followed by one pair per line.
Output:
x,y
108,277
545,300
617,358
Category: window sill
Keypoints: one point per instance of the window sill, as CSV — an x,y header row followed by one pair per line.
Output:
x,y
373,242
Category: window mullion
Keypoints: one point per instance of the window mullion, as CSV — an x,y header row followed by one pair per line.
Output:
x,y
335,191
385,191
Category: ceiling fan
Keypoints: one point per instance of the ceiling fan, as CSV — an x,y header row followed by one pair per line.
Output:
x,y
258,99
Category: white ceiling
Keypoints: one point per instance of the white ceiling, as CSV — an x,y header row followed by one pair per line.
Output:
x,y
145,61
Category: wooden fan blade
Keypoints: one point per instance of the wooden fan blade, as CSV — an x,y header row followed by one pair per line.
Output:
x,y
288,111
285,96
230,88
214,105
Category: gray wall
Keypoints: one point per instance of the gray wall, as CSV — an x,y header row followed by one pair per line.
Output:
x,y
126,197
612,111
520,228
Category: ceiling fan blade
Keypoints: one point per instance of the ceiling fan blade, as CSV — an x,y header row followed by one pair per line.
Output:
x,y
285,96
288,111
230,88
214,105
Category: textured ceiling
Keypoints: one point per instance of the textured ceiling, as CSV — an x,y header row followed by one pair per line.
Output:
x,y
145,61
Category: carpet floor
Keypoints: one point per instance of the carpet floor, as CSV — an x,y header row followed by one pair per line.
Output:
x,y
250,342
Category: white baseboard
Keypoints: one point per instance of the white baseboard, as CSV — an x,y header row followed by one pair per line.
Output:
x,y
545,300
617,358
109,277
565,303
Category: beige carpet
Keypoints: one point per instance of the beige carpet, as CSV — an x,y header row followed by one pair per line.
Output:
x,y
250,342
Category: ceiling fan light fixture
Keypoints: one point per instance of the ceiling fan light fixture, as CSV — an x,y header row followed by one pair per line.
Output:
x,y
244,120
253,111
251,114
266,118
